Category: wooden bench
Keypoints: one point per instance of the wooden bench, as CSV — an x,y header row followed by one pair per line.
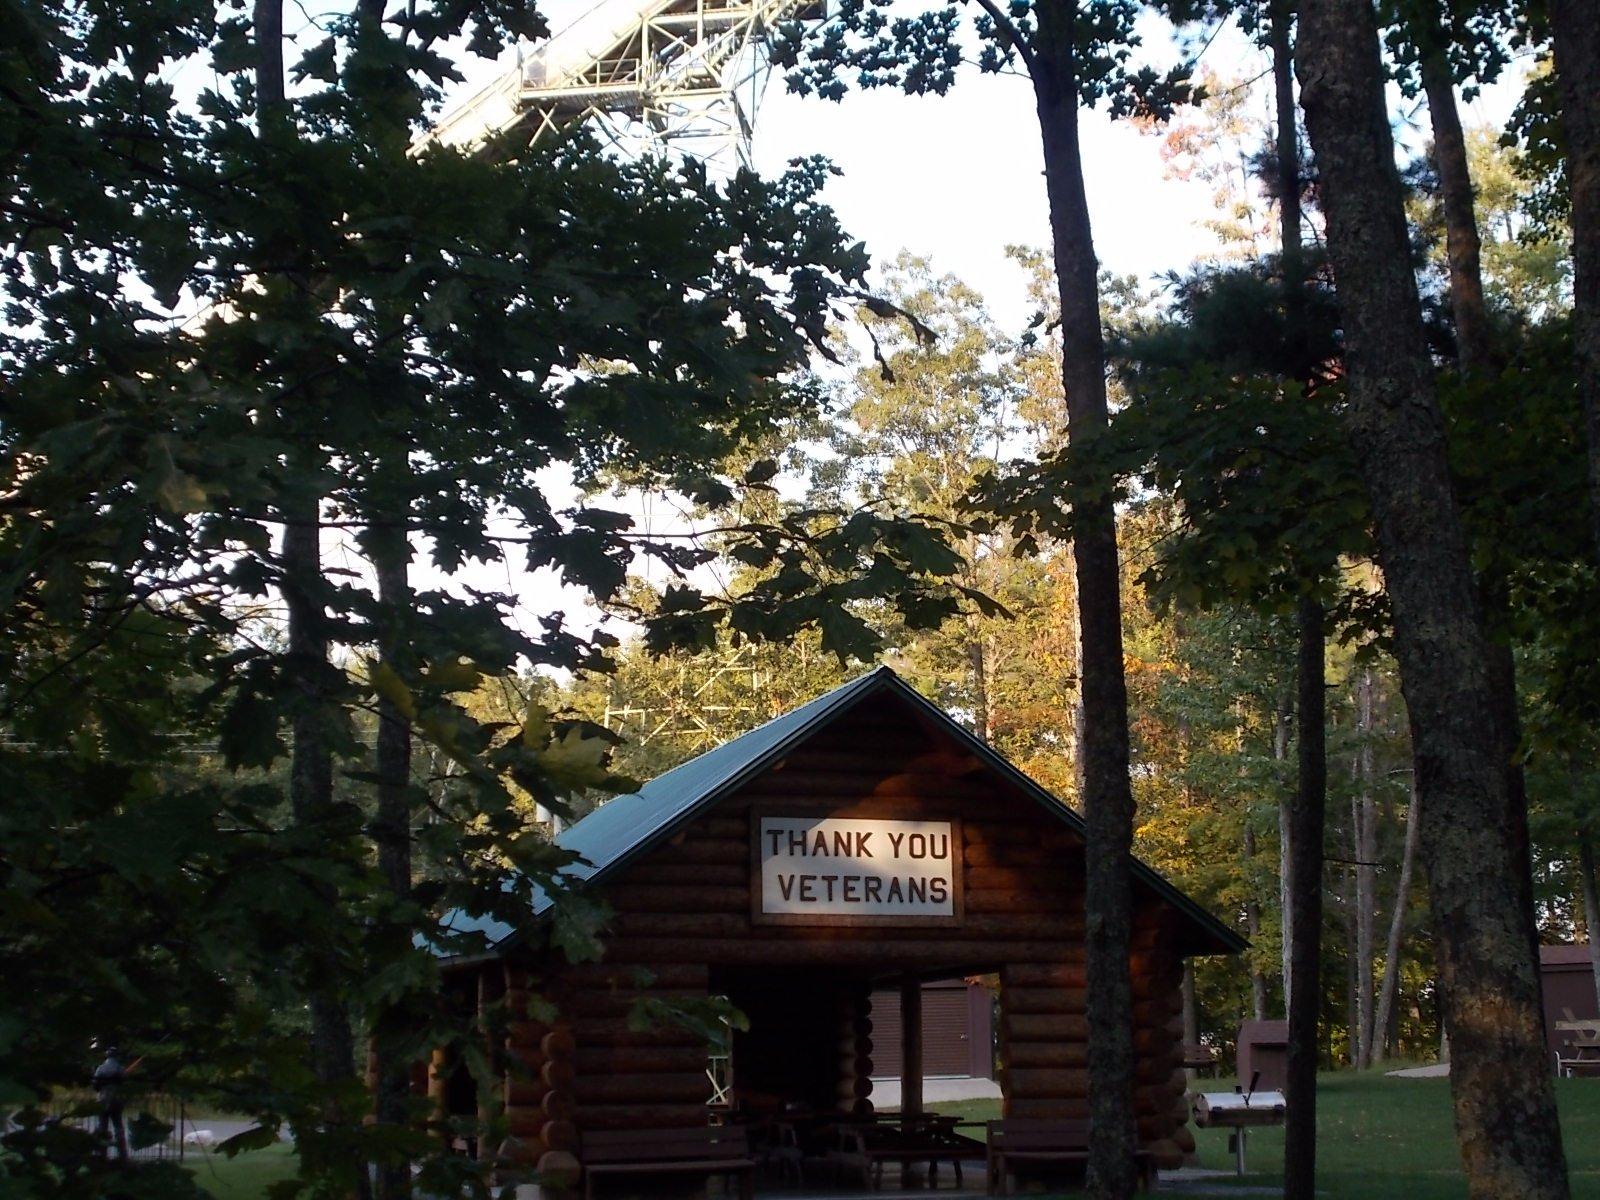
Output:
x,y
1019,1140
724,1150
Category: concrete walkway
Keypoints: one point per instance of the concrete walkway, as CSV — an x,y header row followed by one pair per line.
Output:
x,y
935,1090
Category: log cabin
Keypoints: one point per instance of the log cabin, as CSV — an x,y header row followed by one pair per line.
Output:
x,y
860,843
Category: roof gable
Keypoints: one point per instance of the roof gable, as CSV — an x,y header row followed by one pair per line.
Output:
x,y
622,829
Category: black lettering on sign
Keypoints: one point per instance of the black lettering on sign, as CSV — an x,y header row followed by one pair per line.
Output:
x,y
937,891
805,888
894,843
917,890
842,843
797,841
847,888
896,892
872,888
786,885
917,845
829,880
861,845
940,843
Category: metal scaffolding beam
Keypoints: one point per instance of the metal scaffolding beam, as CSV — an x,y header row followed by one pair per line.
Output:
x,y
683,75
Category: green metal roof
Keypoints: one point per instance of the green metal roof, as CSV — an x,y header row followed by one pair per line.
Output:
x,y
623,828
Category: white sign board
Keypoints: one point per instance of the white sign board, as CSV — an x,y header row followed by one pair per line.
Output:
x,y
838,869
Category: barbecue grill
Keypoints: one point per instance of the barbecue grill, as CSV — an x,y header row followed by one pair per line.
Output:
x,y
1238,1111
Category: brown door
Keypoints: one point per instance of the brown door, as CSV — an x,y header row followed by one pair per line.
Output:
x,y
946,1031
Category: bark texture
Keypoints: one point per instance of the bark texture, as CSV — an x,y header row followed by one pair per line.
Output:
x,y
1463,246
1504,1101
1307,819
1575,38
1106,796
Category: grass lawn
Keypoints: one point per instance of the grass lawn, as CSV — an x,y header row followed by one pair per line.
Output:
x,y
1378,1137
245,1177
1381,1137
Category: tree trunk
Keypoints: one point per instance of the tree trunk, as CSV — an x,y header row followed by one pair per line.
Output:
x,y
1252,928
978,669
1282,721
1463,247
1280,27
1575,40
332,1044
1504,1101
1365,811
1591,906
391,832
1107,796
1397,926
1307,817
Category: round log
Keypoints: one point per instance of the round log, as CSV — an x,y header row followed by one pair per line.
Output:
x,y
518,1151
525,1036
1043,1000
1047,1054
559,1043
621,1003
1022,832
558,1170
603,1059
1068,973
614,1032
558,1074
724,851
558,1105
1152,1127
1166,1155
521,1093
1009,900
1183,1138
525,1121
846,951
612,973
986,878
976,927
1050,1110
641,1116
560,1135
795,785
688,874
985,855
679,899
1157,1011
1047,1083
1043,1027
657,1088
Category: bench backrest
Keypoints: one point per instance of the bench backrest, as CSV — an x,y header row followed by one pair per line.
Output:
x,y
664,1145
1024,1133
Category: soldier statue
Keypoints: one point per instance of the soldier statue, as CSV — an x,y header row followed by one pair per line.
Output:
x,y
107,1081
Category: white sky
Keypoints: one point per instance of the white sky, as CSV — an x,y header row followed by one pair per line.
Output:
x,y
957,179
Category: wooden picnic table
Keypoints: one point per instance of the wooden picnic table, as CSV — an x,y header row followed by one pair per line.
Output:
x,y
1585,1045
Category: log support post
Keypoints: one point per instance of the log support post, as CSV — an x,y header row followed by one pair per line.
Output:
x,y
910,1046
